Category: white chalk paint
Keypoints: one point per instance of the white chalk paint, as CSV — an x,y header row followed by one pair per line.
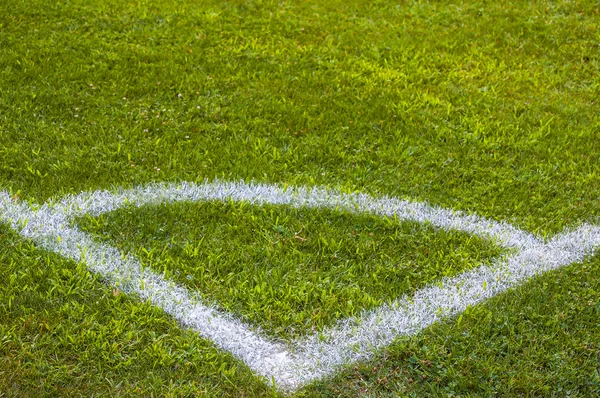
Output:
x,y
349,340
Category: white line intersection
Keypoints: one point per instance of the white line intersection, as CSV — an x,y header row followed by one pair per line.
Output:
x,y
51,226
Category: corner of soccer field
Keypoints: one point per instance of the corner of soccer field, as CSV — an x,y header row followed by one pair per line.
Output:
x,y
299,198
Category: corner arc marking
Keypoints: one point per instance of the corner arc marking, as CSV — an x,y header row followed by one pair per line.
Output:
x,y
319,354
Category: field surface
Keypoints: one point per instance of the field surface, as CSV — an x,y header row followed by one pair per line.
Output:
x,y
490,109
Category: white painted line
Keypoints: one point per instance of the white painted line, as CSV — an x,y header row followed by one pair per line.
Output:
x,y
358,337
99,202
51,231
319,354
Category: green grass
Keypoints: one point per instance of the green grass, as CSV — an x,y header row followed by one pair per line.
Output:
x,y
288,270
479,106
65,333
541,339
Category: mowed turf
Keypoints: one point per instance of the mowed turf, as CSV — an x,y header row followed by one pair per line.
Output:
x,y
290,271
484,107
66,333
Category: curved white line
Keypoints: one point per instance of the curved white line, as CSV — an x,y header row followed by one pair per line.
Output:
x,y
319,354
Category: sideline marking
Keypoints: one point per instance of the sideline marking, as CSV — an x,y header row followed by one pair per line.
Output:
x,y
51,227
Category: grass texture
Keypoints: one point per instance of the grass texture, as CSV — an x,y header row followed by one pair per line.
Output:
x,y
288,270
471,105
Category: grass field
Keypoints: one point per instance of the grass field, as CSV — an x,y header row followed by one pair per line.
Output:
x,y
488,108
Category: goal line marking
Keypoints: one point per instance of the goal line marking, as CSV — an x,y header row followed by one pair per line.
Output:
x,y
51,226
